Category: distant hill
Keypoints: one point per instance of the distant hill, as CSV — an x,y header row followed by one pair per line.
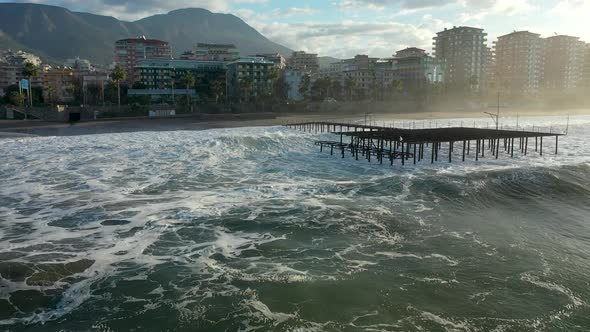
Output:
x,y
325,61
58,33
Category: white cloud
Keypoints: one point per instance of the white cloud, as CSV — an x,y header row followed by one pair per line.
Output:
x,y
382,4
136,9
347,38
293,11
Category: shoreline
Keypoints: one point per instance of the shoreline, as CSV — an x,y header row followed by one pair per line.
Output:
x,y
34,128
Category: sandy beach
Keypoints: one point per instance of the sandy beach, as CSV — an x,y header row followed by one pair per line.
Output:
x,y
21,128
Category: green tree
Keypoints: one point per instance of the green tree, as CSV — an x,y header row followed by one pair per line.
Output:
x,y
17,99
218,88
30,71
336,89
189,81
377,89
275,76
349,85
50,94
304,86
93,94
245,87
320,88
397,87
118,75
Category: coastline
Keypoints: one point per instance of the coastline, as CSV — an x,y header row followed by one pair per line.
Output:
x,y
32,128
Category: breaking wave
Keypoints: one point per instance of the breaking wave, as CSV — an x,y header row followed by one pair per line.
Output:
x,y
253,228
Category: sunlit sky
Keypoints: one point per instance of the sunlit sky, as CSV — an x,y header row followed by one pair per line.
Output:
x,y
343,28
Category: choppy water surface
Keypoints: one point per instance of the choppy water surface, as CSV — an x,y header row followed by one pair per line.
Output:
x,y
253,228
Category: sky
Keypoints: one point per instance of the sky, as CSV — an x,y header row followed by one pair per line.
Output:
x,y
344,28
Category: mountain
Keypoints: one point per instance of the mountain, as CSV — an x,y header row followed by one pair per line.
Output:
x,y
59,33
326,61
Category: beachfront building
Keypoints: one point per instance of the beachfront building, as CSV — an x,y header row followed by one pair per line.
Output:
x,y
357,76
20,58
586,67
462,50
216,52
93,87
563,65
386,74
275,58
81,65
489,85
165,74
9,74
11,68
363,82
249,78
129,52
304,61
359,62
293,79
59,85
415,68
519,63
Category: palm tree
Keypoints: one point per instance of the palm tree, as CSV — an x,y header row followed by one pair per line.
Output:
x,y
118,75
189,81
246,85
304,86
349,84
29,71
50,94
336,89
397,86
217,88
274,76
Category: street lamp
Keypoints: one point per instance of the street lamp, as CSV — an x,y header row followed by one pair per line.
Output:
x,y
496,117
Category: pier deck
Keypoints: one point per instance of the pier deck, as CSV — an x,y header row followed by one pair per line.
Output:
x,y
396,143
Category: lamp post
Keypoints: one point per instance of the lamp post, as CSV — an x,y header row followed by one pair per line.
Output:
x,y
496,117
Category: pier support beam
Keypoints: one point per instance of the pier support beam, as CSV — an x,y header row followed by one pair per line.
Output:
x,y
403,155
451,151
432,151
437,147
463,150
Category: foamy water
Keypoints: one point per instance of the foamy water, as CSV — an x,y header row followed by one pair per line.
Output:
x,y
253,228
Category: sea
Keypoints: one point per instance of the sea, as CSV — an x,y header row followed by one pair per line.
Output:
x,y
255,229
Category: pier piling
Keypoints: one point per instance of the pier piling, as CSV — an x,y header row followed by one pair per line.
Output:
x,y
403,144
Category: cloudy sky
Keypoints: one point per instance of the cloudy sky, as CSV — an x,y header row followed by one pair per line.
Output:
x,y
343,28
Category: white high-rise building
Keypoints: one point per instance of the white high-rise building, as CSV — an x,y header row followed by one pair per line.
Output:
x,y
564,61
519,63
462,50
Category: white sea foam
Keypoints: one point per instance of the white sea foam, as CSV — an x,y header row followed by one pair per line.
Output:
x,y
220,203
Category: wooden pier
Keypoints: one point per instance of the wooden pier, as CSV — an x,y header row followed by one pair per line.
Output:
x,y
414,145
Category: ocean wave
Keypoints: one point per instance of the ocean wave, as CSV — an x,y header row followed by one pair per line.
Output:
x,y
185,223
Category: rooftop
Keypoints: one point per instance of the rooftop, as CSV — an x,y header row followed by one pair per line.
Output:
x,y
142,39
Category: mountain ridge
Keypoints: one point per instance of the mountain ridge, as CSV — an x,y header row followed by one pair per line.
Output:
x,y
59,33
